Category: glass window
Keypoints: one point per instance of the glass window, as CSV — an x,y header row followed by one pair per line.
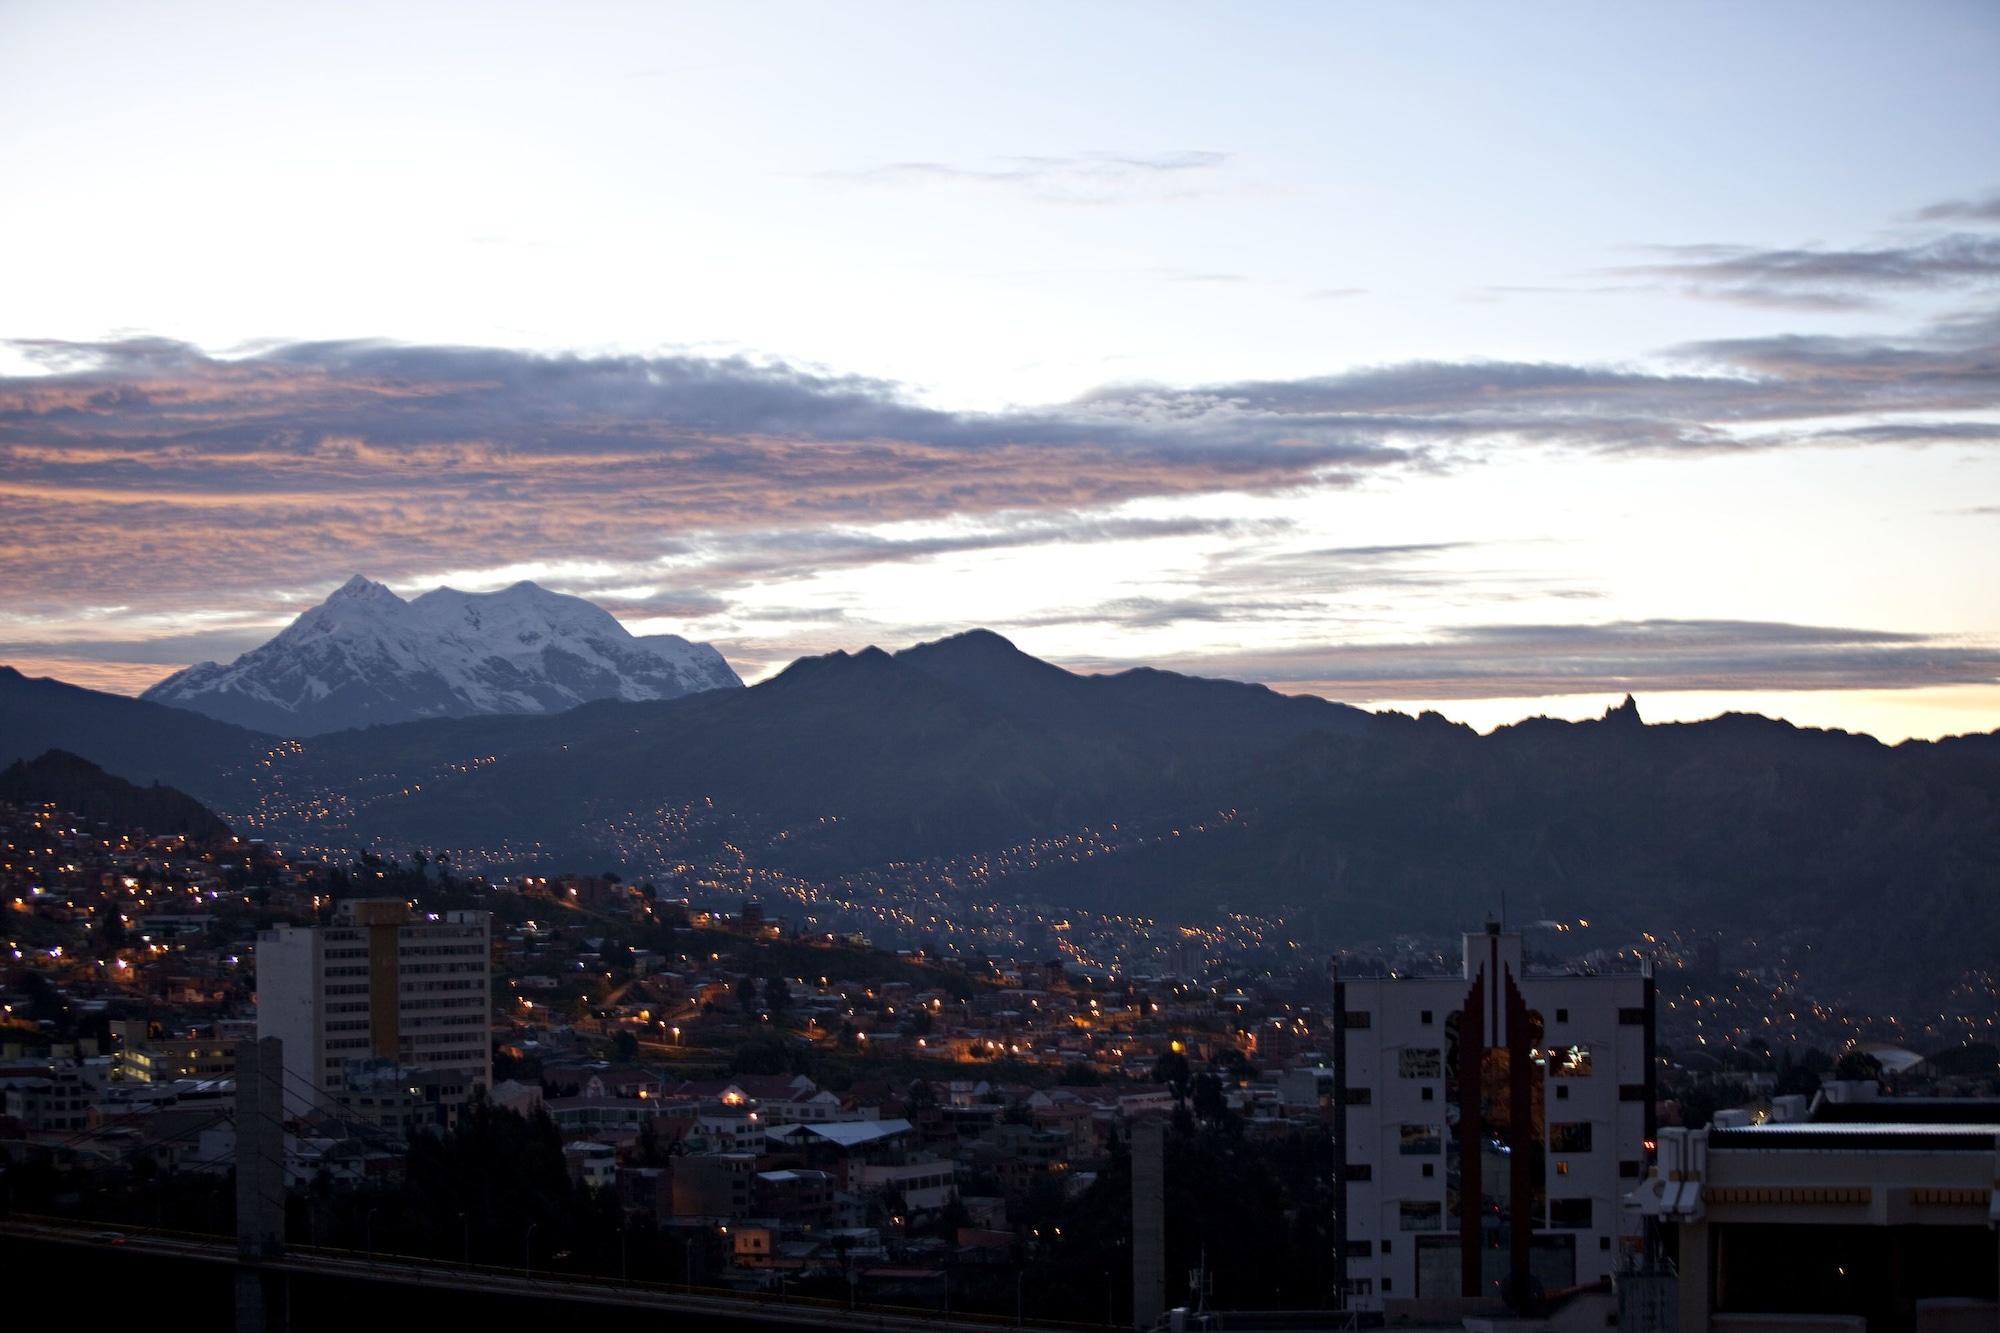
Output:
x,y
1421,1141
1570,1137
1569,1062
1569,1214
1424,1215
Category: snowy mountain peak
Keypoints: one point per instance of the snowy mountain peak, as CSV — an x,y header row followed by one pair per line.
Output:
x,y
366,656
361,588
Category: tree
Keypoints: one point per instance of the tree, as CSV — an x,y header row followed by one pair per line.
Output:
x,y
1858,1066
1208,1103
1795,1080
767,1054
1235,1066
1172,1069
624,1047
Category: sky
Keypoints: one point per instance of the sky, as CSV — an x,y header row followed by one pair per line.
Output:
x,y
1497,361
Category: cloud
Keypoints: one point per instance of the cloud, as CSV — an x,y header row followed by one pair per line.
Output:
x,y
1986,209
1075,178
154,473
1508,661
1810,278
92,673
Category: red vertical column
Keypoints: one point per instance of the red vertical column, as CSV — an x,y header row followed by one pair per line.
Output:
x,y
1471,1133
1521,1139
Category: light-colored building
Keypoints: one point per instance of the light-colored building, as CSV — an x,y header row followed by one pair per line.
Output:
x,y
378,984
1490,1122
1883,1218
168,1059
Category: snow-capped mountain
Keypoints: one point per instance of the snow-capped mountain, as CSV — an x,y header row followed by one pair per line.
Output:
x,y
365,655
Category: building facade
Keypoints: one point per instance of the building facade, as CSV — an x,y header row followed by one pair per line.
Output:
x,y
379,984
1489,1124
1881,1222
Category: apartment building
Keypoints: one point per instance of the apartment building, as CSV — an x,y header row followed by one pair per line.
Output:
x,y
378,984
1489,1123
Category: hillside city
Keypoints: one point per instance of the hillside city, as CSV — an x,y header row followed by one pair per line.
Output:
x,y
907,1092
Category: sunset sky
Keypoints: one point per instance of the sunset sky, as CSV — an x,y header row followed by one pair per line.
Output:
x,y
1497,360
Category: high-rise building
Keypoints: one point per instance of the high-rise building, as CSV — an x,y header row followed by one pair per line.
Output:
x,y
379,984
1489,1124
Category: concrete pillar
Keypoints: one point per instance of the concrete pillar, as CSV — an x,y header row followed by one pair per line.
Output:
x,y
260,1147
260,1178
1697,1287
1149,1221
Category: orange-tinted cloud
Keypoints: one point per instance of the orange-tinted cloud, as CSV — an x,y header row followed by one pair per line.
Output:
x,y
146,477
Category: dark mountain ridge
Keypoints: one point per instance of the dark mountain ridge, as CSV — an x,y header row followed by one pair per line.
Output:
x,y
1363,823
79,787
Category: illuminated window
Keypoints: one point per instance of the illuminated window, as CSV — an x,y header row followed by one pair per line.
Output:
x,y
1569,1062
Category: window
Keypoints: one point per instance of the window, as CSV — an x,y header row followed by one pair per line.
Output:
x,y
1430,1093
1425,1215
1632,1016
1562,1092
1420,1141
1562,1015
1631,1170
1360,1171
1604,1242
1631,1092
1425,1018
1360,1249
1388,1284
1569,1062
1570,1137
1357,1096
1356,1018
1430,1169
1569,1214
1385,1246
1420,1062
